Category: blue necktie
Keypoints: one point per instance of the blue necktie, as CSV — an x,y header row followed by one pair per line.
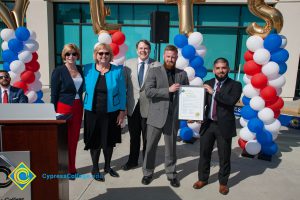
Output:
x,y
141,73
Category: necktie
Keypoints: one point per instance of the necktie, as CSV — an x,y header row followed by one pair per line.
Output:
x,y
5,97
141,73
214,111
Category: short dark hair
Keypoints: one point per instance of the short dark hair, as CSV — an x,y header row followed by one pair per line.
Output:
x,y
221,60
144,41
3,70
171,48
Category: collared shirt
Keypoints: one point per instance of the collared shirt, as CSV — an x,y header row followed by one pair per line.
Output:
x,y
2,92
213,97
146,65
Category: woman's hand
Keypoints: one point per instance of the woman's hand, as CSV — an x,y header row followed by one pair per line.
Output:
x,y
120,117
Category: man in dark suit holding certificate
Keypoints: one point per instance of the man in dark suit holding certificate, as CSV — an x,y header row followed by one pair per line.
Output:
x,y
222,93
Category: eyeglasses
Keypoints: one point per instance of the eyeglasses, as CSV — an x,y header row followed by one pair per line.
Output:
x,y
73,54
105,53
4,77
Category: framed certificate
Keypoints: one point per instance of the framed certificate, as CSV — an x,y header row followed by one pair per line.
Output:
x,y
191,103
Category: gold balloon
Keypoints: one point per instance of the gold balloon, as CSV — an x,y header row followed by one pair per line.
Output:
x,y
185,14
270,15
7,16
98,14
19,11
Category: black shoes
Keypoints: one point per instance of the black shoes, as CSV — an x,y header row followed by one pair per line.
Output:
x,y
128,166
146,180
111,172
98,176
174,182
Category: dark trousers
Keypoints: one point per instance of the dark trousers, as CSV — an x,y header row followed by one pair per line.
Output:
x,y
136,125
95,155
207,141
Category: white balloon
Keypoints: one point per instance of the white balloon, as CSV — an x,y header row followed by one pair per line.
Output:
x,y
35,86
253,147
104,38
179,53
190,73
273,127
266,115
278,91
96,45
201,51
270,69
32,96
274,135
14,77
31,45
195,126
249,91
278,82
17,66
32,35
243,122
182,63
261,56
196,135
254,42
283,41
195,39
7,34
246,134
25,56
123,48
119,61
37,75
4,45
257,103
197,81
247,79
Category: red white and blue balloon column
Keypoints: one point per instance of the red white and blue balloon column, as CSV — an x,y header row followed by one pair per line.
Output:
x,y
190,59
264,69
20,59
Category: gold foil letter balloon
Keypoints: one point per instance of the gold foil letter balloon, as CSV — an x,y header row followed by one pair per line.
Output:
x,y
185,14
270,15
98,14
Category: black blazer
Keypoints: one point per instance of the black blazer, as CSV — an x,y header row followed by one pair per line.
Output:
x,y
62,86
228,96
16,95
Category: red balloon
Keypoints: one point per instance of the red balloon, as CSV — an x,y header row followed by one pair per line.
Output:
x,y
248,55
33,66
276,114
268,93
118,38
268,103
277,105
242,143
28,77
251,68
34,56
115,48
259,81
22,85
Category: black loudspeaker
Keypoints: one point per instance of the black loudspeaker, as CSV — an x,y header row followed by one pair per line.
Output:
x,y
159,27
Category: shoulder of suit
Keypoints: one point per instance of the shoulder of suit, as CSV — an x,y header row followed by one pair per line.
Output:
x,y
14,89
130,61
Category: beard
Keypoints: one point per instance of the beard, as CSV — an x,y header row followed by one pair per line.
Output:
x,y
221,78
169,66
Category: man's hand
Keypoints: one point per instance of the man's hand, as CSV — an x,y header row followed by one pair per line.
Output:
x,y
208,89
174,87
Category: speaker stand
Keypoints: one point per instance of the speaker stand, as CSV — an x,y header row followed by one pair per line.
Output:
x,y
157,51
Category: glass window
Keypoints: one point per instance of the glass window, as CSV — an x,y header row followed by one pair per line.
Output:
x,y
66,34
173,10
89,39
86,13
67,13
247,18
142,13
113,17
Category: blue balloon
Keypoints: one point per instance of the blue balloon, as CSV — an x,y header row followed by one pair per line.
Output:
x,y
188,52
246,100
6,66
39,94
255,125
186,134
270,149
39,101
282,68
15,45
201,72
22,33
183,123
264,137
9,56
180,40
248,113
197,62
272,42
280,56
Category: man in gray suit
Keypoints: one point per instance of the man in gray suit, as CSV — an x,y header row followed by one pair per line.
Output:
x,y
162,87
136,71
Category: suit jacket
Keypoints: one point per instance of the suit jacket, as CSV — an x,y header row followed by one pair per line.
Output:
x,y
226,98
157,89
16,95
136,93
62,86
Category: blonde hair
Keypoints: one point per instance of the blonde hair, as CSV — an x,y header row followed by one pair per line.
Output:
x,y
103,46
70,47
